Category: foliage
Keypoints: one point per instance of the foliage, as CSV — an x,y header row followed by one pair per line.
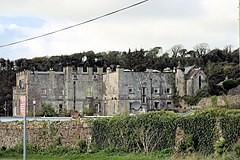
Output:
x,y
58,141
89,111
82,144
165,153
7,81
19,148
47,111
187,145
147,132
220,147
230,83
236,149
157,130
214,101
65,113
200,126
230,124
191,100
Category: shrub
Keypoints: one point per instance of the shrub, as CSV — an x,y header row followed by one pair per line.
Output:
x,y
157,131
191,100
47,111
214,101
220,147
19,148
236,149
58,141
229,84
82,144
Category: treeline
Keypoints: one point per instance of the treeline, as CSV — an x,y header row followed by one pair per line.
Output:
x,y
217,64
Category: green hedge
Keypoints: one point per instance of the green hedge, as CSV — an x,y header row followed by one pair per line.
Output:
x,y
157,130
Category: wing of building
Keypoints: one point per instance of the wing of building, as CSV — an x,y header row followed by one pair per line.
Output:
x,y
120,92
189,80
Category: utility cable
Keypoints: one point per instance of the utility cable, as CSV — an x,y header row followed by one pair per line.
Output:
x,y
75,25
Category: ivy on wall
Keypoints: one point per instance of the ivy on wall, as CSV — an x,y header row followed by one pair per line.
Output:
x,y
157,130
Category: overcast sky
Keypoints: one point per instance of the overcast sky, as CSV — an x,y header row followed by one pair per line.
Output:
x,y
163,23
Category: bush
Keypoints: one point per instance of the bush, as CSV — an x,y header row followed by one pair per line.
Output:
x,y
229,84
157,130
191,100
214,101
19,149
82,144
142,133
187,145
47,111
236,149
220,147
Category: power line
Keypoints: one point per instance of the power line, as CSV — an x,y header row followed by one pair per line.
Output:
x,y
75,25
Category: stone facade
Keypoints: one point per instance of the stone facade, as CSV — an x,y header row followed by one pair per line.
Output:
x,y
70,90
111,93
43,87
189,80
126,91
85,86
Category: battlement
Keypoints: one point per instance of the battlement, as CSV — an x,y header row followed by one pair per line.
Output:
x,y
82,71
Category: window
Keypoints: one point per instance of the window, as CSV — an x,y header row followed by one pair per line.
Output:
x,y
200,81
156,90
74,77
60,108
130,90
169,104
156,104
62,92
44,91
168,90
89,92
21,84
97,108
143,90
85,70
144,99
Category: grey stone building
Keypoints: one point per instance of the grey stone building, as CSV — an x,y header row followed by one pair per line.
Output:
x,y
83,89
126,91
41,87
189,80
120,92
70,90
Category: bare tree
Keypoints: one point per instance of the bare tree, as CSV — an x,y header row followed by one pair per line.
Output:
x,y
175,50
183,52
201,49
149,138
228,49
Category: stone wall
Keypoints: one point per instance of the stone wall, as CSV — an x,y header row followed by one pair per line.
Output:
x,y
44,133
228,101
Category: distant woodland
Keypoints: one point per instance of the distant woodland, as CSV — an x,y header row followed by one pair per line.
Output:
x,y
216,63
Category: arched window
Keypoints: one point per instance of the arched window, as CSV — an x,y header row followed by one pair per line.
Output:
x,y
200,81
